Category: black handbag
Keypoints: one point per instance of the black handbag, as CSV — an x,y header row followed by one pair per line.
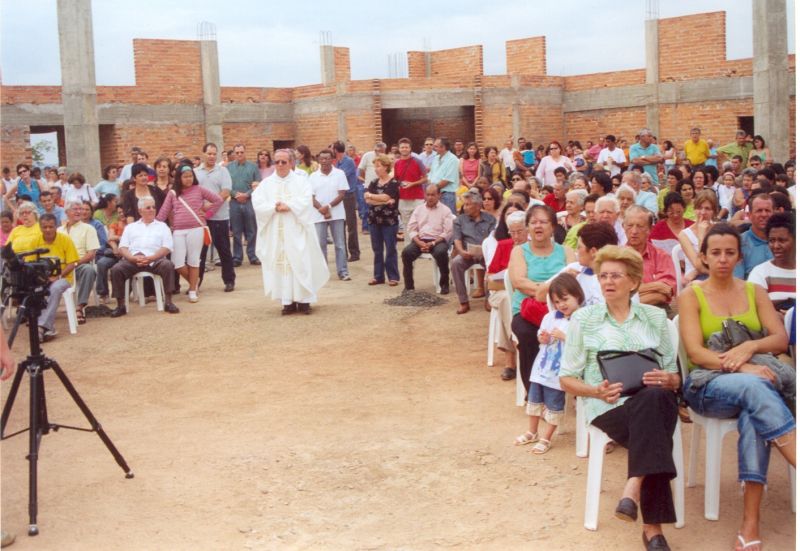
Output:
x,y
628,368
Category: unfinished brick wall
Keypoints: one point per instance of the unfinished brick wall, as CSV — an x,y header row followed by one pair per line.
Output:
x,y
455,123
457,62
691,46
591,125
157,140
416,64
316,131
341,64
15,142
526,56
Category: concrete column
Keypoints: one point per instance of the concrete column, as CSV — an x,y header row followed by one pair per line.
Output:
x,y
327,64
79,88
516,123
651,73
771,76
427,65
212,103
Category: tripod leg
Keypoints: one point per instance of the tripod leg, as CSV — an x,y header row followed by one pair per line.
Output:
x,y
95,424
12,395
35,436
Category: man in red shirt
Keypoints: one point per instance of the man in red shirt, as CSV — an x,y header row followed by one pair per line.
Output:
x,y
658,281
558,199
411,173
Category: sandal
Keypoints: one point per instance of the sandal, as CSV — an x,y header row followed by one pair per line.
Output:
x,y
374,282
527,438
541,447
80,314
393,283
610,447
742,545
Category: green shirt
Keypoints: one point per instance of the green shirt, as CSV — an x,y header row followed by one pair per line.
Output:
x,y
242,176
592,329
733,149
571,240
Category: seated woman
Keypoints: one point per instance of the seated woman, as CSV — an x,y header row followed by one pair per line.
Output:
x,y
509,233
531,265
644,422
742,389
664,234
706,209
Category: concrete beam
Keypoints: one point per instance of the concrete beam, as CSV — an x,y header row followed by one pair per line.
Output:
x,y
212,107
258,112
523,96
771,76
333,104
79,87
438,97
128,113
30,114
327,64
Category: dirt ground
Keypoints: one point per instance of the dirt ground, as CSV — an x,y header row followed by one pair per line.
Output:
x,y
362,426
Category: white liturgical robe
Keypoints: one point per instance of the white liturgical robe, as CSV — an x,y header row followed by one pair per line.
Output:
x,y
292,264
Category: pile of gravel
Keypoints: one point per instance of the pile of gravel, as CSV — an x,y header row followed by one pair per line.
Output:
x,y
421,299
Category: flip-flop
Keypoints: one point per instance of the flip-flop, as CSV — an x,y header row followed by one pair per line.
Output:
x,y
743,545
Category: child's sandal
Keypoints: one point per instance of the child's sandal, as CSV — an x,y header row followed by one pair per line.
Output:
x,y
542,446
527,438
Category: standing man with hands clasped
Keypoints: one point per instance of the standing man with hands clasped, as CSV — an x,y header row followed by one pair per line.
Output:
x,y
244,177
329,186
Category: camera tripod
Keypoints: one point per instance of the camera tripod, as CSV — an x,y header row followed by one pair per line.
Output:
x,y
35,366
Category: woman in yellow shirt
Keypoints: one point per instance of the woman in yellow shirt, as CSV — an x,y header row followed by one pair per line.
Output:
x,y
25,236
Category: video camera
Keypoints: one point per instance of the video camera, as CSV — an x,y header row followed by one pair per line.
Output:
x,y
23,277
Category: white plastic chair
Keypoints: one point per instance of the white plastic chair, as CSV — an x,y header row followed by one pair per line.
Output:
x,y
68,297
677,256
715,430
138,281
597,440
494,321
520,394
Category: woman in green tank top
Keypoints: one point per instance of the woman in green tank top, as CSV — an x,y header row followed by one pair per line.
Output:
x,y
745,390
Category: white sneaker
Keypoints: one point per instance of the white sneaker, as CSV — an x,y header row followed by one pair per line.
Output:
x,y
193,296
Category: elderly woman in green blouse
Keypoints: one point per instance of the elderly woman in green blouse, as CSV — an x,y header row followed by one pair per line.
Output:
x,y
645,421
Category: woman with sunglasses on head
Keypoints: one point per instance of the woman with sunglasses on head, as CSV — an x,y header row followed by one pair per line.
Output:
x,y
730,384
545,171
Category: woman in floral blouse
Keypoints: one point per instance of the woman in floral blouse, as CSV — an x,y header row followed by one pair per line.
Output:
x,y
382,196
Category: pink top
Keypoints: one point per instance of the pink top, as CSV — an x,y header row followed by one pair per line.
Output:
x,y
470,168
194,196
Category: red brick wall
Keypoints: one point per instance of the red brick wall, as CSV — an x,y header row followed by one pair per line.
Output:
x,y
604,80
691,46
244,94
717,120
15,146
341,64
316,131
526,56
361,131
30,94
457,62
157,140
456,123
416,64
167,71
590,125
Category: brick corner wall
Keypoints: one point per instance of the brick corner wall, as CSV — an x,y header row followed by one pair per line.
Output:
x,y
341,64
457,62
416,64
527,56
691,46
167,71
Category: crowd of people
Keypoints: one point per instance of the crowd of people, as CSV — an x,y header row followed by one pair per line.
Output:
x,y
578,250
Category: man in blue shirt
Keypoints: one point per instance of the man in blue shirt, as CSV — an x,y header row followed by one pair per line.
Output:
x,y
643,198
444,172
49,206
346,164
755,244
244,177
646,154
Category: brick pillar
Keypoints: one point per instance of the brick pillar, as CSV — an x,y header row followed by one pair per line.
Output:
x,y
477,91
771,76
78,87
377,123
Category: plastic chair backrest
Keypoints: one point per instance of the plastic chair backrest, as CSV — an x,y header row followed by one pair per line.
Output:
x,y
683,358
677,256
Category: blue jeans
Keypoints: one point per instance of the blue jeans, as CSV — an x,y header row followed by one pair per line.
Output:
x,y
448,198
762,416
363,207
337,231
553,399
384,236
103,264
243,221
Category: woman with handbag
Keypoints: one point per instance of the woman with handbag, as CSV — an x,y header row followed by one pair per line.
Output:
x,y
641,415
731,384
531,266
189,231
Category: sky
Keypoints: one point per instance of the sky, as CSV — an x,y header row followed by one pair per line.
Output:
x,y
261,43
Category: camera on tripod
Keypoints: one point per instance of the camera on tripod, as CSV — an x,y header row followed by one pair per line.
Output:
x,y
23,277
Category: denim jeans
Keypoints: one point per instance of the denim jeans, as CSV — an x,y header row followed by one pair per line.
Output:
x,y
337,230
448,198
384,236
103,264
243,221
363,207
762,416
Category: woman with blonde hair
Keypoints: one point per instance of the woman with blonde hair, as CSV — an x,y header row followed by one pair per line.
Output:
x,y
382,196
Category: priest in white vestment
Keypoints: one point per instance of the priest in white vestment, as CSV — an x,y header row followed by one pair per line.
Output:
x,y
292,264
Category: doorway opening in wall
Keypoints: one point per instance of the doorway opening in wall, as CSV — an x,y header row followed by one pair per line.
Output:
x,y
454,122
282,144
47,146
747,124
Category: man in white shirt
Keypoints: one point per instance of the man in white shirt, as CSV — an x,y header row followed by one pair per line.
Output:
x,y
612,157
328,186
126,170
144,247
428,153
507,156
